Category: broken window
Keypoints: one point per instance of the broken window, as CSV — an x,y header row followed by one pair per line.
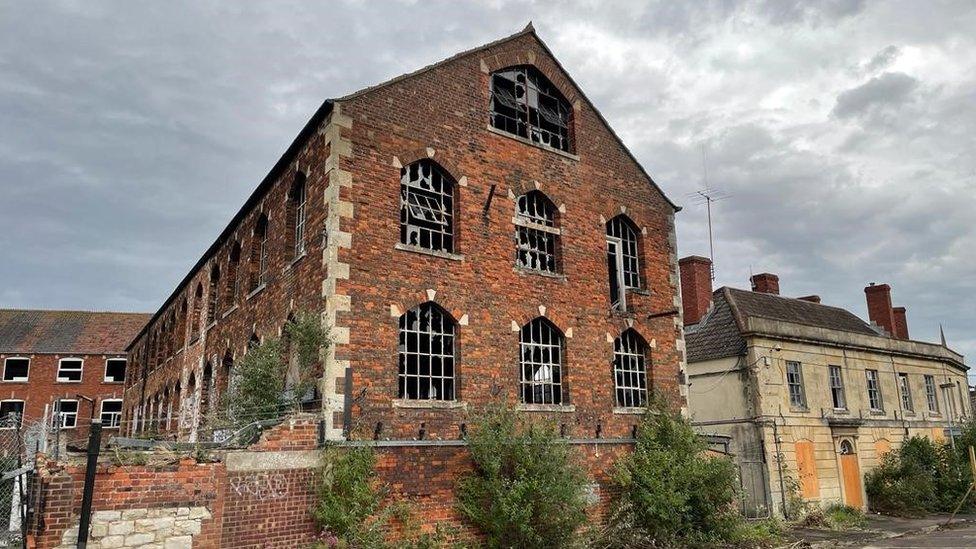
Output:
x,y
526,104
536,234
213,302
16,369
930,394
296,200
259,253
794,383
622,263
906,393
874,390
67,411
540,363
426,207
630,369
69,370
233,264
115,370
426,354
111,415
198,311
11,414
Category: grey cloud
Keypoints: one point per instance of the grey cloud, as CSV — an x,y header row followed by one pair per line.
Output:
x,y
882,59
891,88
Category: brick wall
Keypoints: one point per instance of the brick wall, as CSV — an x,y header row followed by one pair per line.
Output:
x,y
42,390
261,497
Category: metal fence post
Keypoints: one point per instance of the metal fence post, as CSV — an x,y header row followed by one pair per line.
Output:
x,y
94,444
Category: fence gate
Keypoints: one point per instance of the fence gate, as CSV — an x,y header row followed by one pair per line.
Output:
x,y
19,442
753,483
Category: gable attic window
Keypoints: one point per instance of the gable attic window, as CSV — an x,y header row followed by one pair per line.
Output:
x,y
16,369
115,370
69,370
526,104
296,215
536,234
623,261
427,207
630,369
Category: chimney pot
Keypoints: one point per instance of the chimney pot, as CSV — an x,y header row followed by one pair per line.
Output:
x,y
879,307
766,283
811,298
696,287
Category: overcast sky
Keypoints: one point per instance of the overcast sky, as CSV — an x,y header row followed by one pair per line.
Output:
x,y
844,134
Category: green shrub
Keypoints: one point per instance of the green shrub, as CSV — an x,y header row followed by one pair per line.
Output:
x,y
920,477
672,492
354,511
526,490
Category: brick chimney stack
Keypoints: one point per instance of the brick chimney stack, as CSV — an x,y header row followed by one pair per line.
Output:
x,y
696,287
879,307
901,322
766,283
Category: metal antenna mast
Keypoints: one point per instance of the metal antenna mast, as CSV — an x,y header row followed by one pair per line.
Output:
x,y
707,195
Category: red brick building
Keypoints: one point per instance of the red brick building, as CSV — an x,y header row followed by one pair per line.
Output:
x,y
72,362
468,232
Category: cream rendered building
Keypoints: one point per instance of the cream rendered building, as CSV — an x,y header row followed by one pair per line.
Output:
x,y
811,395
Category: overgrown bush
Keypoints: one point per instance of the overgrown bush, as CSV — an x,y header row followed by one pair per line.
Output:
x,y
272,378
673,493
354,510
920,477
526,489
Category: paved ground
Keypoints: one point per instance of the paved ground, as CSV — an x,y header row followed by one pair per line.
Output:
x,y
883,532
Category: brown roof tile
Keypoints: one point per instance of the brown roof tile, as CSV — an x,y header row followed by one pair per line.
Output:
x,y
81,332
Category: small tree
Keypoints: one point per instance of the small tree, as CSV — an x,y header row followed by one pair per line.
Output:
x,y
671,491
526,489
260,388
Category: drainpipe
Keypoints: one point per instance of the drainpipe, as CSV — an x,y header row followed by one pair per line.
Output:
x,y
949,411
779,467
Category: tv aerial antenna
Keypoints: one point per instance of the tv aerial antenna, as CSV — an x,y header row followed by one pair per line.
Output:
x,y
708,195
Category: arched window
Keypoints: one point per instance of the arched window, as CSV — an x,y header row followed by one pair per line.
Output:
x,y
540,363
296,215
259,253
206,393
526,104
213,300
622,259
630,369
254,341
426,207
233,264
197,313
426,354
536,233
181,326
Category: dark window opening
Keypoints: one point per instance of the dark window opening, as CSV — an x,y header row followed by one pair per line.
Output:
x,y
16,369
213,300
540,363
69,369
426,354
630,369
233,275
259,254
67,410
111,415
198,313
537,238
11,414
526,104
115,370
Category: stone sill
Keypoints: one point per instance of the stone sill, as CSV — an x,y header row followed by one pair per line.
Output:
x,y
228,312
629,410
255,291
531,143
430,404
559,408
533,272
418,250
295,261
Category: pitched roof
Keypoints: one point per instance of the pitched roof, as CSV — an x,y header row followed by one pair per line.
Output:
x,y
76,332
719,334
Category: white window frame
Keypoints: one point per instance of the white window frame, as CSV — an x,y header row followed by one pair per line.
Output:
x,y
300,219
107,360
16,379
873,377
23,407
117,415
905,390
56,411
81,370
